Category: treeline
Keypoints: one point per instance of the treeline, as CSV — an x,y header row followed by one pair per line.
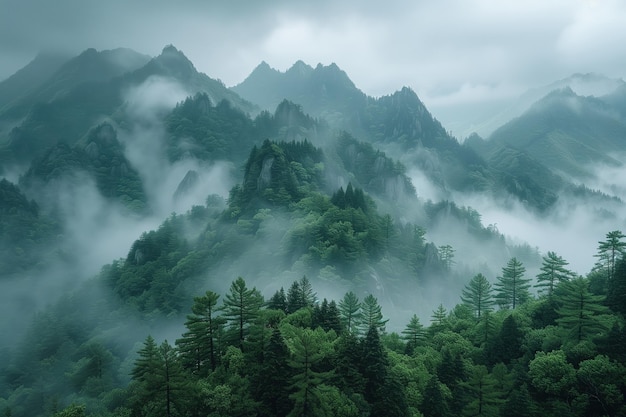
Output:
x,y
500,352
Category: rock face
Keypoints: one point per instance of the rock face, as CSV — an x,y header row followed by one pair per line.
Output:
x,y
265,177
189,181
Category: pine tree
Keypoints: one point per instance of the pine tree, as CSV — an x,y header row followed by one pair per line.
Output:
x,y
295,301
278,301
161,380
478,295
273,378
348,363
435,402
610,252
616,294
241,307
512,286
414,333
446,256
146,363
308,348
438,319
333,319
308,295
485,397
507,344
197,346
350,312
579,309
552,272
374,365
371,315
486,328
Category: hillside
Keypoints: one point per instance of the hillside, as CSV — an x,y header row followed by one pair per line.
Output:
x,y
569,134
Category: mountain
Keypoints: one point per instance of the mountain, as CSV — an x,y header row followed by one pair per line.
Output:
x,y
91,87
173,64
323,91
566,132
589,84
32,76
315,193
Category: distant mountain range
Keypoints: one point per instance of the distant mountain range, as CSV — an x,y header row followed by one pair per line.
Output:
x,y
568,133
55,99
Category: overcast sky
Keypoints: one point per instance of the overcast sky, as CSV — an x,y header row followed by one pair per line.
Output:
x,y
449,52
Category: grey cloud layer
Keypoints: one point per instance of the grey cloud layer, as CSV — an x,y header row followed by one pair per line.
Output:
x,y
451,52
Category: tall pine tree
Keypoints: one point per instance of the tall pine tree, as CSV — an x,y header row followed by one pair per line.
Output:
x,y
241,307
478,295
579,309
552,272
512,286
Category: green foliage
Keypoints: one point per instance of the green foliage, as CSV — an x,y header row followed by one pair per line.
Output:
x,y
277,174
373,170
512,286
609,253
27,236
371,315
161,386
616,296
484,393
579,309
477,294
308,348
350,311
552,272
198,345
241,307
102,159
414,333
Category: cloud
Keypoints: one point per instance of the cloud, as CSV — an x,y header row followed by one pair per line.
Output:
x,y
430,46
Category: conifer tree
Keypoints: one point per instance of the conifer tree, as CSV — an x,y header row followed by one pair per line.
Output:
x,y
616,294
484,395
273,378
197,346
609,252
300,295
438,319
374,365
446,256
308,295
295,301
333,319
241,307
371,315
348,363
414,333
478,295
435,402
507,344
512,286
579,309
308,348
350,312
161,380
486,328
278,301
552,272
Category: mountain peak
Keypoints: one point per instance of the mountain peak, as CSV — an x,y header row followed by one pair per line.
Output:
x,y
300,68
174,62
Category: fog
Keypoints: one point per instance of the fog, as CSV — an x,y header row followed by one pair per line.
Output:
x,y
146,148
95,230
